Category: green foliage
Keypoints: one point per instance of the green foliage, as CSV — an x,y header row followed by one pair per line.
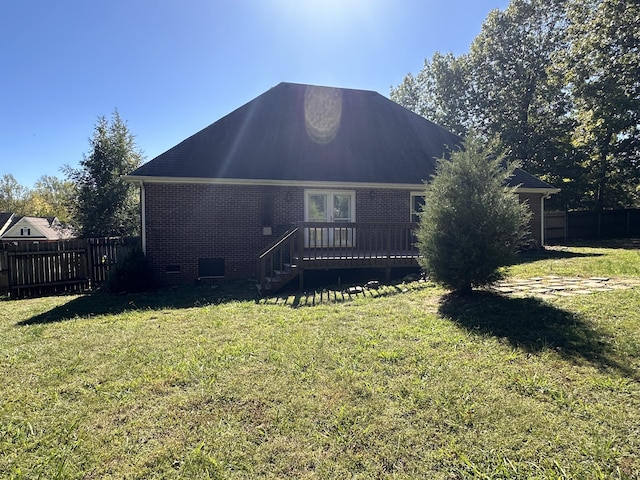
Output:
x,y
50,197
602,68
105,204
439,92
555,82
471,223
515,98
12,195
131,274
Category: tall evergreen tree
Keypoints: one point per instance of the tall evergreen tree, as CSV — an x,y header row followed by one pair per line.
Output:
x,y
106,205
471,224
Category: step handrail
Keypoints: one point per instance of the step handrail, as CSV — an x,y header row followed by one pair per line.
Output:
x,y
277,243
266,267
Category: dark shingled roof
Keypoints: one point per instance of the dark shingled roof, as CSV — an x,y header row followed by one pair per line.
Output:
x,y
301,133
5,217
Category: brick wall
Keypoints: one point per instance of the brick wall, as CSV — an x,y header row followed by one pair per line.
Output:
x,y
383,205
186,223
189,222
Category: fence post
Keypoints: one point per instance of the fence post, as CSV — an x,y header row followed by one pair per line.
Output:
x,y
88,262
5,284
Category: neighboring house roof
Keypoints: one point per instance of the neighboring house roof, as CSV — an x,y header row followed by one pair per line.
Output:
x,y
303,133
35,228
5,221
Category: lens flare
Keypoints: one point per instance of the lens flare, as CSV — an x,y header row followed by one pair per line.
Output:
x,y
322,113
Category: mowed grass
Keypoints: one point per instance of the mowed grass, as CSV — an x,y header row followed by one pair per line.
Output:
x,y
613,258
207,383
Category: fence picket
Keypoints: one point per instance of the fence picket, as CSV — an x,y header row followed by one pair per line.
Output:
x,y
590,224
29,269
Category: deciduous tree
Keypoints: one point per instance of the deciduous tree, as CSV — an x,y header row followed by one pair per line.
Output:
x,y
515,98
439,92
602,69
50,197
12,195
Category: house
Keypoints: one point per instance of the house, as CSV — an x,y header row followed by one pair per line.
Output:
x,y
300,177
33,229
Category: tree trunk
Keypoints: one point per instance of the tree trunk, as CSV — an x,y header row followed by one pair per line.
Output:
x,y
602,171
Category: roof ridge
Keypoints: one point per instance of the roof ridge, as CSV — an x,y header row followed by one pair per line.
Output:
x,y
297,84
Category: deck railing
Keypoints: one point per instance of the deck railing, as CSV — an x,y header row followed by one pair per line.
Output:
x,y
329,245
356,244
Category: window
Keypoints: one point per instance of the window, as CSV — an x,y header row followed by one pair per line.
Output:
x,y
25,232
417,203
211,267
326,206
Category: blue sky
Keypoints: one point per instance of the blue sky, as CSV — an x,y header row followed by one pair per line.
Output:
x,y
172,67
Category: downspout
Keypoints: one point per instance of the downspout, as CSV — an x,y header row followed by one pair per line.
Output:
x,y
143,226
542,224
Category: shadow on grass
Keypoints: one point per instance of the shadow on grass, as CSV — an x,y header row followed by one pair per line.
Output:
x,y
614,243
100,303
534,326
552,253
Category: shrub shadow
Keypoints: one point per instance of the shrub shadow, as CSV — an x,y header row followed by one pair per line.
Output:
x,y
552,253
101,303
627,243
534,326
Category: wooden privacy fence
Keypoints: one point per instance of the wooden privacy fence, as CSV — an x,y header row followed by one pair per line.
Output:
x,y
32,269
591,224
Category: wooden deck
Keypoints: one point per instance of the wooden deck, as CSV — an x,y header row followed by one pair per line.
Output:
x,y
328,246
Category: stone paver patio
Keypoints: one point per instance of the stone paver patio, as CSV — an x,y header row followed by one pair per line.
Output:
x,y
561,286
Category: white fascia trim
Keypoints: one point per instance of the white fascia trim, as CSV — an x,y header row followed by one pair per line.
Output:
x,y
272,183
301,183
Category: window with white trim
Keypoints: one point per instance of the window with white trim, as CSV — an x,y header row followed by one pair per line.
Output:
x,y
417,203
329,206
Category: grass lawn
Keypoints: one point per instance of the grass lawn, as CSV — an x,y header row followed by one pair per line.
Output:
x,y
207,383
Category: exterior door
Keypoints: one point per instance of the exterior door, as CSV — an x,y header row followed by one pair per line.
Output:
x,y
324,206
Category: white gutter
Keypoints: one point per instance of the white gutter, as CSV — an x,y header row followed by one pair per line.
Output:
x,y
143,214
299,183
542,224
